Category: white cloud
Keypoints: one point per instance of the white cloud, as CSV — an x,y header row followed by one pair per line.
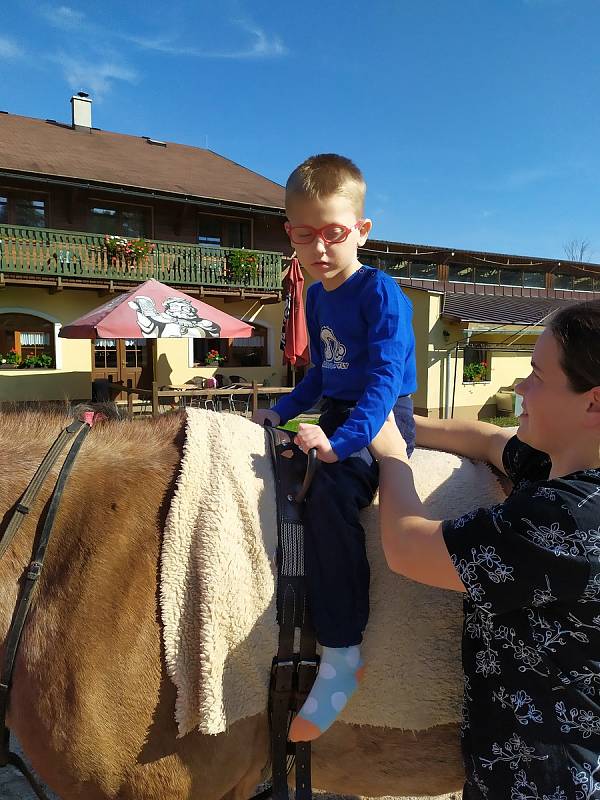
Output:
x,y
96,78
63,16
260,45
9,49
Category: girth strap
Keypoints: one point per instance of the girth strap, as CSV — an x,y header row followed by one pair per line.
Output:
x,y
32,574
292,673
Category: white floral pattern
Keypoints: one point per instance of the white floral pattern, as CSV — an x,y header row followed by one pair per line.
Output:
x,y
531,636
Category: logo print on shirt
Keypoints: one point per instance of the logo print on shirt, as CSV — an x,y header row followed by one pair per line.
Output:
x,y
333,350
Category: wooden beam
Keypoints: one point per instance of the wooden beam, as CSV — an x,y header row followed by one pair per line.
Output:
x,y
108,290
58,287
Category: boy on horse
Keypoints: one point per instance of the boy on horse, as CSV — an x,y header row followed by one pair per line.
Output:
x,y
363,354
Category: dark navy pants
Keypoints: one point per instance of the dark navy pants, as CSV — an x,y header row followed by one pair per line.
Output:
x,y
337,569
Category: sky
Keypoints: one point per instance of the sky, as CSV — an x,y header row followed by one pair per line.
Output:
x,y
475,122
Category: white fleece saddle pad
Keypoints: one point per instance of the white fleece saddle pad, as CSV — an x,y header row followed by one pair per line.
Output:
x,y
217,589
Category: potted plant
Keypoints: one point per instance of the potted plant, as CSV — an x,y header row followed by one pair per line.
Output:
x,y
10,360
477,371
132,251
42,361
213,358
243,265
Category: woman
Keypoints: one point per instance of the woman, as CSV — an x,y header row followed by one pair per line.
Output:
x,y
530,568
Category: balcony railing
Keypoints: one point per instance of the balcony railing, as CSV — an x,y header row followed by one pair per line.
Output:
x,y
41,251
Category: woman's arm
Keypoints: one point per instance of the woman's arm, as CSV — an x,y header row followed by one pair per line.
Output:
x,y
413,545
473,439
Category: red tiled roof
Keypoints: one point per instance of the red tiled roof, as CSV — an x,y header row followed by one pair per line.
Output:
x,y
41,147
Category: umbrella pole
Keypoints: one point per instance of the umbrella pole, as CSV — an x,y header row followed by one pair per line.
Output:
x,y
293,374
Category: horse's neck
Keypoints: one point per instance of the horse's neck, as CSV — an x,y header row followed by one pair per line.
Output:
x,y
24,440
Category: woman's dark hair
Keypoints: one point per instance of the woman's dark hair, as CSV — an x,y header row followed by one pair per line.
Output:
x,y
576,328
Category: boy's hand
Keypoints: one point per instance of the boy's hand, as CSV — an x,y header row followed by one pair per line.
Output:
x,y
262,414
310,436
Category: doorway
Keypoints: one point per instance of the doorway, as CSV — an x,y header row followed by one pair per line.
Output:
x,y
126,361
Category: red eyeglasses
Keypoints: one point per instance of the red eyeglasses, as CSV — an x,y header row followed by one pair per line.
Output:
x,y
330,234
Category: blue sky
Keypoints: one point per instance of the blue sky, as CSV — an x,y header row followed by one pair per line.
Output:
x,y
476,122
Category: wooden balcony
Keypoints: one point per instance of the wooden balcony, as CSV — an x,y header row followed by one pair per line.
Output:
x,y
43,256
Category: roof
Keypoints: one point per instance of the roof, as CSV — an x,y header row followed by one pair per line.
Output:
x,y
498,308
45,147
482,258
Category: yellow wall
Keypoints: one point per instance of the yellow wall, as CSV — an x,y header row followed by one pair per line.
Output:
x,y
472,400
173,359
72,380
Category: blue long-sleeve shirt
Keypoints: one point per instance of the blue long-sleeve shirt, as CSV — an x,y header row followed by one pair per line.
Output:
x,y
362,348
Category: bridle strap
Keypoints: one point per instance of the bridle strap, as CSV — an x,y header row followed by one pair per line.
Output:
x,y
23,507
32,573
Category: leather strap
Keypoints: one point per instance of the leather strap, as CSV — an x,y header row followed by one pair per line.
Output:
x,y
32,574
24,505
292,674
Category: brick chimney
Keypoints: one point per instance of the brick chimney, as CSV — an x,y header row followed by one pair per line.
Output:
x,y
81,107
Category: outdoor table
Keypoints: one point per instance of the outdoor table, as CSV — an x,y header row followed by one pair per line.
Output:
x,y
253,389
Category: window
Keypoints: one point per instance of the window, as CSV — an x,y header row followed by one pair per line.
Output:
x,y
487,275
562,281
583,283
393,264
209,232
136,353
423,271
120,220
534,280
224,231
460,273
30,337
30,212
250,352
511,277
105,354
476,364
23,208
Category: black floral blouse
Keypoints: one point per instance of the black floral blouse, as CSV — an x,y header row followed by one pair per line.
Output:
x,y
531,637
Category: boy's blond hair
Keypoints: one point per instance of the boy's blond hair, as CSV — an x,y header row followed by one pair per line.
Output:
x,y
327,174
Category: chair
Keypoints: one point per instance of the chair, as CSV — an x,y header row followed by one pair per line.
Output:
x,y
202,402
239,403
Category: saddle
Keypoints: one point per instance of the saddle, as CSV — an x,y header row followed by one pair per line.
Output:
x,y
293,670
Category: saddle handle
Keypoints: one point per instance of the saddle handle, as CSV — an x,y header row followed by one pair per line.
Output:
x,y
311,467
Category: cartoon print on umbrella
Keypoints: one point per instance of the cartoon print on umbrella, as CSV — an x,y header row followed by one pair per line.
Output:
x,y
179,318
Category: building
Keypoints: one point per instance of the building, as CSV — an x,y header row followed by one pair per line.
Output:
x,y
216,230
477,317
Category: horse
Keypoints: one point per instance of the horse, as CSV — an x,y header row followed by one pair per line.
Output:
x,y
91,703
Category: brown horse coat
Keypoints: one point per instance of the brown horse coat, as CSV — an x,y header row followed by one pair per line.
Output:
x,y
91,703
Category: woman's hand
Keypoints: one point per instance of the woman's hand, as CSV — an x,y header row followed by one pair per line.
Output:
x,y
389,441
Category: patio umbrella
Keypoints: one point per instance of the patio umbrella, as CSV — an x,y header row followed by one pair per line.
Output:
x,y
156,311
294,335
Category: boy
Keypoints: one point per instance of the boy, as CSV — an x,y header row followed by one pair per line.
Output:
x,y
363,355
